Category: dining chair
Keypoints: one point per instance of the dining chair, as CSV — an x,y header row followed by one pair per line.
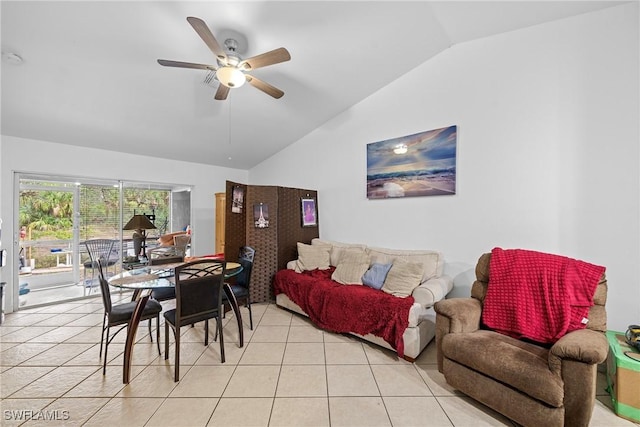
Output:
x,y
99,250
199,290
242,281
121,314
159,256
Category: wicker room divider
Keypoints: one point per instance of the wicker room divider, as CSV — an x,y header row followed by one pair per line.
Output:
x,y
275,245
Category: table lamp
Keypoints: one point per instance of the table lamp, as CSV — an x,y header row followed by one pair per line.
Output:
x,y
140,223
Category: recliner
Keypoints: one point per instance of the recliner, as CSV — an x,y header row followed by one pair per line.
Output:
x,y
534,385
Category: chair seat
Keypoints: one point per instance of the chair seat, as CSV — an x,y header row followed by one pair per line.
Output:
x,y
239,291
170,316
524,366
121,313
163,294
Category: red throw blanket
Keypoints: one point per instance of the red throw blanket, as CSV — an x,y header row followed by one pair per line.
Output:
x,y
538,296
346,308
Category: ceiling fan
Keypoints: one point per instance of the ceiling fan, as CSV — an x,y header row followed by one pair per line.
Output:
x,y
232,70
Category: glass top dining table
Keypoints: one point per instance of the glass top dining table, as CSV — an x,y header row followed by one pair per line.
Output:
x,y
143,280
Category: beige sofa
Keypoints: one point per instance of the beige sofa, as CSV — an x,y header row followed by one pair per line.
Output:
x,y
433,287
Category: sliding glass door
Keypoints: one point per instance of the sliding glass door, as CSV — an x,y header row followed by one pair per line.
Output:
x,y
58,214
48,237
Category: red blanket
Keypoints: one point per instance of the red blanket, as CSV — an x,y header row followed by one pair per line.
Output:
x,y
346,308
538,296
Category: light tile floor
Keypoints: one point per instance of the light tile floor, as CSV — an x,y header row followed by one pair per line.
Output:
x,y
289,373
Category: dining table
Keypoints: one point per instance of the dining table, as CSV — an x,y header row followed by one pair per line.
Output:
x,y
143,280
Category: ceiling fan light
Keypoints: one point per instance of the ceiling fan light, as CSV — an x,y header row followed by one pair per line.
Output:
x,y
231,76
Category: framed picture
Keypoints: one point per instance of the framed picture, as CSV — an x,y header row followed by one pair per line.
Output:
x,y
309,213
261,215
238,199
422,164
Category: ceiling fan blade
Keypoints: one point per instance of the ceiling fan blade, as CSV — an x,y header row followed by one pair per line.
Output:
x,y
265,87
168,63
222,92
269,58
205,34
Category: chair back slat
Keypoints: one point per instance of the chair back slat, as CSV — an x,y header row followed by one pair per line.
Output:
x,y
247,253
100,249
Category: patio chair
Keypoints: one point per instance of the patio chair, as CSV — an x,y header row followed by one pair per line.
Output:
x,y
99,250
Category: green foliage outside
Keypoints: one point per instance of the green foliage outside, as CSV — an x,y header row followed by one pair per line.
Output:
x,y
48,215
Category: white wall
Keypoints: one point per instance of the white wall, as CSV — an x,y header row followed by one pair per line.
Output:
x,y
25,155
547,154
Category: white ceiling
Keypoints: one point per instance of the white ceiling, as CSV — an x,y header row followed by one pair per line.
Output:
x,y
89,75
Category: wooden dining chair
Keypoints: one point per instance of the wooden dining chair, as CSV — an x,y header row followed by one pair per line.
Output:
x,y
121,314
199,291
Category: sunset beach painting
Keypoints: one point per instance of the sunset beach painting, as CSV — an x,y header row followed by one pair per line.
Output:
x,y
422,164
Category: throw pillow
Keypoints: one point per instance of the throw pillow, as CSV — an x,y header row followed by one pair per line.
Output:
x,y
375,276
403,278
352,265
312,257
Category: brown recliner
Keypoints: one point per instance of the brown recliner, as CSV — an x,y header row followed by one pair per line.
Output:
x,y
530,384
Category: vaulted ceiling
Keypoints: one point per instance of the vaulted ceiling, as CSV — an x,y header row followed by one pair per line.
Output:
x,y
89,74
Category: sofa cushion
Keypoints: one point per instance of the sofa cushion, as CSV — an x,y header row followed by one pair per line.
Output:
x,y
403,278
351,267
521,365
337,248
312,257
376,275
432,261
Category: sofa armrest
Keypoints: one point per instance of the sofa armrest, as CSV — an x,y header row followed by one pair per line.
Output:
x,y
455,315
432,290
585,345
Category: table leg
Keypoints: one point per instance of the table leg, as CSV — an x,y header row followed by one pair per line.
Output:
x,y
236,311
132,329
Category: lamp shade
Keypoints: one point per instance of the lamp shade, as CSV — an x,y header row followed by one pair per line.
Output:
x,y
139,222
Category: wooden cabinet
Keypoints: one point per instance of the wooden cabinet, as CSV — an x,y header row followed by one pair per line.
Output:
x,y
220,221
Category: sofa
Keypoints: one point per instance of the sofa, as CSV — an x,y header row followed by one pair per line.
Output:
x,y
546,381
384,296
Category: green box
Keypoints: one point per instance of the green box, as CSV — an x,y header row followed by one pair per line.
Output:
x,y
623,378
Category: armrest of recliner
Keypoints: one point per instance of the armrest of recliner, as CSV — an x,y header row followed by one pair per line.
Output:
x,y
585,345
574,358
463,314
455,315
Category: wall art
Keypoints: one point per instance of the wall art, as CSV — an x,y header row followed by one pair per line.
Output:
x,y
309,213
238,199
261,215
422,164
